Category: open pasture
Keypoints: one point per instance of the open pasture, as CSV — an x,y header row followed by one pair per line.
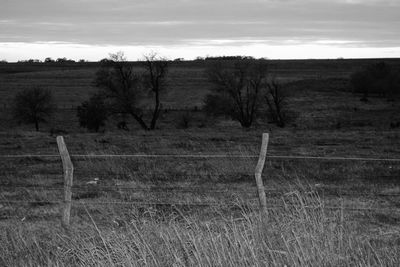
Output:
x,y
203,211
151,201
73,82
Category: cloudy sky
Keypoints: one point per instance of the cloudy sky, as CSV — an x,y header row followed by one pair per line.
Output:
x,y
91,29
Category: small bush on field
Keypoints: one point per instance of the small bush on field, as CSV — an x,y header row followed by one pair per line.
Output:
x,y
378,78
92,114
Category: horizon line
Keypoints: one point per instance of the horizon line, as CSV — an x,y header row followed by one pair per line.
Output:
x,y
181,59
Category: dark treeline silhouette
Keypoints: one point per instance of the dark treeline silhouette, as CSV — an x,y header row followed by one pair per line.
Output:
x,y
30,61
232,58
50,60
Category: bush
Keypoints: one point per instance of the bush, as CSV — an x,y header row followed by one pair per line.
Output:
x,y
33,106
92,114
379,79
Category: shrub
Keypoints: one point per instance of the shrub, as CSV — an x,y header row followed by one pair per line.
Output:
x,y
378,78
92,114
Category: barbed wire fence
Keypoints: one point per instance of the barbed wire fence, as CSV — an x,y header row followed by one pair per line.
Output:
x,y
67,188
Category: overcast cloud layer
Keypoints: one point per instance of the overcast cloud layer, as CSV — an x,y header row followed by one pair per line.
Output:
x,y
219,25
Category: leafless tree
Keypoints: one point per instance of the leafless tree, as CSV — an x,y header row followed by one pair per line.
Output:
x,y
276,99
154,80
240,86
121,86
125,88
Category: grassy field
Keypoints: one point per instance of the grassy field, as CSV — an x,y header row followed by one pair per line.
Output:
x,y
321,212
72,82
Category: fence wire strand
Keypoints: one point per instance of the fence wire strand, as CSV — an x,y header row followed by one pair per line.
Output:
x,y
199,156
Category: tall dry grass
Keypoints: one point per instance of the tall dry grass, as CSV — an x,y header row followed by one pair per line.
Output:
x,y
300,232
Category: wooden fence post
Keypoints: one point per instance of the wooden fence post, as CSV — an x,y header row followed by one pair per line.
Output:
x,y
68,169
258,172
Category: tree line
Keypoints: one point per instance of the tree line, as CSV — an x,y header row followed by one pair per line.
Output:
x,y
242,90
67,60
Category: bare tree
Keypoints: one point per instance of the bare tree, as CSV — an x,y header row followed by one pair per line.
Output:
x,y
276,103
125,88
33,106
239,85
121,86
154,79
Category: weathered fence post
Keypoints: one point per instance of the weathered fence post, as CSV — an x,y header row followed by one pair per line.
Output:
x,y
68,169
258,173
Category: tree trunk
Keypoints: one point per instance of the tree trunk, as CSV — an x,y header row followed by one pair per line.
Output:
x,y
37,125
140,121
156,112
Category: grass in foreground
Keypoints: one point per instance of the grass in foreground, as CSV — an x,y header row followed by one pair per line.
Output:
x,y
301,232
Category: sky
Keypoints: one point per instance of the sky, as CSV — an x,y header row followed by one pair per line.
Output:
x,y
275,29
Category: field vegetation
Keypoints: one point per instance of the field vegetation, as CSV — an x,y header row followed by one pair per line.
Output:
x,y
203,211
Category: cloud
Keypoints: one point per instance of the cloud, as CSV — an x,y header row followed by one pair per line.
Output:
x,y
361,23
370,2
